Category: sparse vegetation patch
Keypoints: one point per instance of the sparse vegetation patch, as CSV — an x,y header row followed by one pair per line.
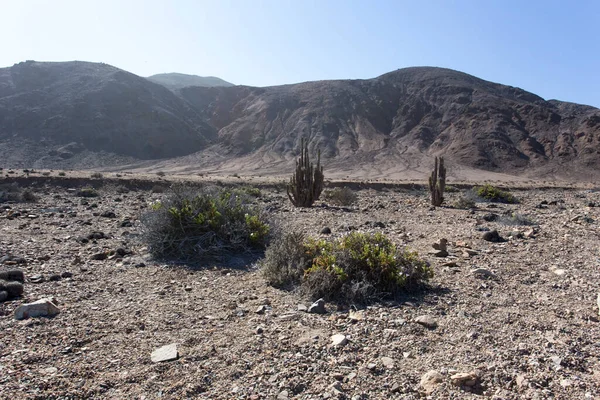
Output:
x,y
359,267
209,222
494,194
341,196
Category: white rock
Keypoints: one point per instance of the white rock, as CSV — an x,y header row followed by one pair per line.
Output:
x,y
40,308
427,321
464,379
165,353
430,380
339,340
387,362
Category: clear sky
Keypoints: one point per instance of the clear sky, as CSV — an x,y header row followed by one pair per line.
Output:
x,y
551,48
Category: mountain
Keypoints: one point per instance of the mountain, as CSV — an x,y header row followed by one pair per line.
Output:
x,y
387,126
175,81
99,108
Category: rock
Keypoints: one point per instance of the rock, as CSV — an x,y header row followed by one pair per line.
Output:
x,y
339,340
96,235
490,217
54,278
529,233
259,330
559,271
126,223
261,309
387,362
318,307
36,278
337,388
12,275
469,253
13,289
483,273
427,321
441,245
326,231
302,308
108,214
66,274
99,256
371,366
165,353
395,388
598,303
283,395
3,296
430,380
493,236
522,381
40,308
464,379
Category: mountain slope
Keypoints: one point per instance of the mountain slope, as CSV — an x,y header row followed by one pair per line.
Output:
x,y
175,81
421,110
385,125
99,108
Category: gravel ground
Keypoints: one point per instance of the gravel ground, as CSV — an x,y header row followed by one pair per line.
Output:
x,y
523,326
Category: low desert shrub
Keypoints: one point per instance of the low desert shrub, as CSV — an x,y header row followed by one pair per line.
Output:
x,y
97,175
494,194
158,189
160,173
205,223
13,193
359,267
62,173
341,196
466,201
87,192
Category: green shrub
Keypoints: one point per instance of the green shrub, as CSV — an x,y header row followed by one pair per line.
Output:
x,y
205,224
357,267
341,196
87,192
160,173
97,175
62,174
493,194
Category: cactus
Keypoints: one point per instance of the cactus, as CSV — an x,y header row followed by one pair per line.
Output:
x,y
306,184
437,182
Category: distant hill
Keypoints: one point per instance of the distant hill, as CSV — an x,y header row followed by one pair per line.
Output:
x,y
386,125
98,107
176,81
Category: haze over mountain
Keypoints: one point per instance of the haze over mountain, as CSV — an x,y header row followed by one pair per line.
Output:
x,y
384,125
177,81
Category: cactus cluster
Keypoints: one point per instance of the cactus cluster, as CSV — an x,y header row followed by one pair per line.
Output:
x,y
306,184
437,182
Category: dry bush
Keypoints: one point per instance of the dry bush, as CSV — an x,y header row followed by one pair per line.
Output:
x,y
205,223
341,196
358,267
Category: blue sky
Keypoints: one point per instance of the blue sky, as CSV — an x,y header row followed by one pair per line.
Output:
x,y
551,48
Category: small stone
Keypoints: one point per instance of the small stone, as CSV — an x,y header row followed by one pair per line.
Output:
x,y
337,387
441,245
356,316
483,273
66,274
464,379
165,353
427,321
318,307
283,395
522,381
261,309
302,308
259,330
430,380
100,256
36,278
12,275
108,214
326,231
339,340
40,308
187,288
395,388
387,362
493,236
371,366
54,278
559,272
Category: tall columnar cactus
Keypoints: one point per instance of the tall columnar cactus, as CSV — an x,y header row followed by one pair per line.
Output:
x,y
306,184
437,182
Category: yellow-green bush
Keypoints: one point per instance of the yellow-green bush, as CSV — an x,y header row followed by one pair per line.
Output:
x,y
356,267
207,223
494,194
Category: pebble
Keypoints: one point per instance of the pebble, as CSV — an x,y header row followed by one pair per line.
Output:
x,y
302,308
318,307
492,236
430,380
40,308
427,321
165,353
387,362
326,231
464,379
339,340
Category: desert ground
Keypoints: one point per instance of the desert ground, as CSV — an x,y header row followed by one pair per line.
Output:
x,y
516,319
